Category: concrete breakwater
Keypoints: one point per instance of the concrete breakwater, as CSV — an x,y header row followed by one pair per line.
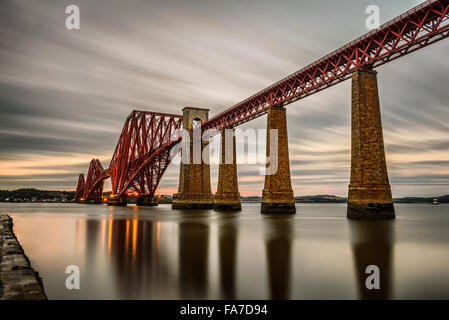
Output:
x,y
18,280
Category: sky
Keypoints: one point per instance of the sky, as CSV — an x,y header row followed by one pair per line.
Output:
x,y
64,95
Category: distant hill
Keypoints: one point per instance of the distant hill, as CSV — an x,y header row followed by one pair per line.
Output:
x,y
441,199
31,194
304,199
336,199
320,199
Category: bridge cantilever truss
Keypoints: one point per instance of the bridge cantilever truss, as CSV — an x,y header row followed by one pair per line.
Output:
x,y
142,153
79,193
140,158
93,189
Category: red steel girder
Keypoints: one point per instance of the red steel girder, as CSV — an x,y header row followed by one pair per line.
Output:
x,y
93,189
142,153
79,194
419,27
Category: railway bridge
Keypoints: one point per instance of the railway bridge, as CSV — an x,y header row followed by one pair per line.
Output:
x,y
148,139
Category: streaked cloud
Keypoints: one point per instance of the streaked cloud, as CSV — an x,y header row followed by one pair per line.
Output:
x,y
64,95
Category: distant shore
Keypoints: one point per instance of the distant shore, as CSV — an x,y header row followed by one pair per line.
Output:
x,y
45,196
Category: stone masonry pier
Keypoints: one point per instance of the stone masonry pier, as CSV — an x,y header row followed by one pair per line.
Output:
x,y
227,197
18,280
194,190
369,190
277,195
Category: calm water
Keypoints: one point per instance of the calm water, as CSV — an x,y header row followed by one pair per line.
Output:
x,y
157,253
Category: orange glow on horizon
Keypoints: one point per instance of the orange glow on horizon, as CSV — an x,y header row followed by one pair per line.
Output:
x,y
39,164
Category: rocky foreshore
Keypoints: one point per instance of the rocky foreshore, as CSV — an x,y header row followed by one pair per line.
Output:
x,y
18,280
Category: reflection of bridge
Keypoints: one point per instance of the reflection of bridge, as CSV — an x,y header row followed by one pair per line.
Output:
x,y
190,257
142,153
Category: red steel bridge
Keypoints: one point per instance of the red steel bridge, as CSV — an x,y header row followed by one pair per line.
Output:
x,y
142,152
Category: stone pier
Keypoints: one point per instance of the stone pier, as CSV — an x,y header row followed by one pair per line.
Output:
x,y
277,196
369,190
18,280
147,202
194,190
117,202
227,197
92,202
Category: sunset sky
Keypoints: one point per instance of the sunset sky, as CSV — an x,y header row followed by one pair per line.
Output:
x,y
64,95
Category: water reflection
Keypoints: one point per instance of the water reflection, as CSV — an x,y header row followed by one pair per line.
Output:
x,y
193,259
132,250
92,241
227,247
278,238
156,253
372,244
143,265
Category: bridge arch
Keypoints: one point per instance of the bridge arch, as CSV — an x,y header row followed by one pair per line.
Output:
x,y
142,154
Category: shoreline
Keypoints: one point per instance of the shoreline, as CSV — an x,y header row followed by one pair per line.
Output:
x,y
18,280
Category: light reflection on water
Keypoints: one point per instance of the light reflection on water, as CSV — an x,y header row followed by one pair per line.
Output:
x,y
157,253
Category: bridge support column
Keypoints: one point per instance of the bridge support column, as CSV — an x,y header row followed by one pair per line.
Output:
x,y
147,202
194,190
117,202
227,197
277,196
369,190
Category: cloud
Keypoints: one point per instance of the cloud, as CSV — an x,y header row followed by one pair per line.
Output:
x,y
64,95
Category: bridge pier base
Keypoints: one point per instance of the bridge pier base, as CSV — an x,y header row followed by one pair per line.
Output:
x,y
194,190
94,202
227,197
117,202
86,201
277,196
147,202
369,194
